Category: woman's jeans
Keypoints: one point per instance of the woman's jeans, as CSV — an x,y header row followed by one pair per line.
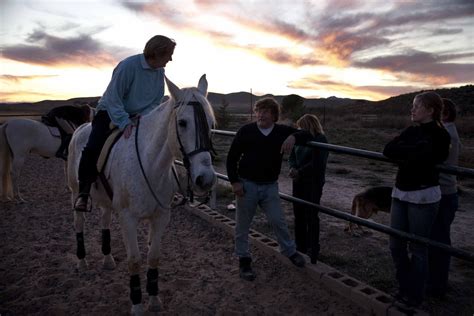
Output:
x,y
439,260
266,196
418,219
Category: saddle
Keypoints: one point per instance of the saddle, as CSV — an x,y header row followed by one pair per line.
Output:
x,y
54,131
113,137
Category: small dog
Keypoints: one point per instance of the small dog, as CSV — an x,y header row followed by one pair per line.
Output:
x,y
369,202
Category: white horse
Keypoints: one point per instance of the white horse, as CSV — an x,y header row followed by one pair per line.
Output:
x,y
180,126
18,138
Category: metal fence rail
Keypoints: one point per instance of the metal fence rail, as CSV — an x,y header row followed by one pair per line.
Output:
x,y
455,252
368,154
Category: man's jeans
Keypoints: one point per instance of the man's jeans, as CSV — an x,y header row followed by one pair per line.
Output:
x,y
417,219
266,196
439,260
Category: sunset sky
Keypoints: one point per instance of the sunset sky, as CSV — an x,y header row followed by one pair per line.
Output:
x,y
370,49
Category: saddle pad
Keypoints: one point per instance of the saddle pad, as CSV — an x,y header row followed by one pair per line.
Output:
x,y
54,131
104,153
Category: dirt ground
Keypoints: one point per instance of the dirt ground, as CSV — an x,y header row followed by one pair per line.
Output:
x,y
198,273
367,258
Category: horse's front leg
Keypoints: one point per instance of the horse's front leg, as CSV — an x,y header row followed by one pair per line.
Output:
x,y
157,228
109,262
79,219
129,234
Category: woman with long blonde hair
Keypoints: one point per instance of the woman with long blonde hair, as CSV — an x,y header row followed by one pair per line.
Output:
x,y
308,169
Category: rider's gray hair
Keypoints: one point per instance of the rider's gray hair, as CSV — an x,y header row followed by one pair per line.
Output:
x,y
158,45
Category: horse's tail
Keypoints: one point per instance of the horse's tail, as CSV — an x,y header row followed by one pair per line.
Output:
x,y
6,187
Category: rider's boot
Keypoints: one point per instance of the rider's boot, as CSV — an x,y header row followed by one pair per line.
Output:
x,y
81,204
87,175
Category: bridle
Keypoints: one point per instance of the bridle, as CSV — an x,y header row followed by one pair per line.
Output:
x,y
203,143
203,136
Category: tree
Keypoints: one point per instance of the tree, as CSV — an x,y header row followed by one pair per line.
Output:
x,y
292,107
223,117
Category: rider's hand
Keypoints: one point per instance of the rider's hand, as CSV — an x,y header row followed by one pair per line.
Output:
x,y
127,131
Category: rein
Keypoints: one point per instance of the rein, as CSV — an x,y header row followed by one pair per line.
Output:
x,y
143,170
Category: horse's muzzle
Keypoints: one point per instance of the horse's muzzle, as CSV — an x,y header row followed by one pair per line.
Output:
x,y
205,181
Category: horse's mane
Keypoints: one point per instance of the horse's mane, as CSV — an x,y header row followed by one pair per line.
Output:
x,y
168,110
189,93
168,106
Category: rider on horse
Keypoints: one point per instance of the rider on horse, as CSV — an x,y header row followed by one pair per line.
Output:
x,y
66,118
137,86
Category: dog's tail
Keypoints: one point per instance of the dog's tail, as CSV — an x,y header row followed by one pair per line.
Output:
x,y
355,203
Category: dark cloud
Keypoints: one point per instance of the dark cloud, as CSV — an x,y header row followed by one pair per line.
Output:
x,y
289,30
45,49
344,31
284,57
163,11
432,67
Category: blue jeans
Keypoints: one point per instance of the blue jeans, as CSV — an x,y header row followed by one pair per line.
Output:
x,y
411,273
439,260
266,196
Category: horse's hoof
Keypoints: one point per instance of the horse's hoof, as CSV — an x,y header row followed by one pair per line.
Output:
x,y
82,265
109,262
137,310
154,305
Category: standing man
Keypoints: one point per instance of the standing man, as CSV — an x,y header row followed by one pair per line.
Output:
x,y
137,87
253,167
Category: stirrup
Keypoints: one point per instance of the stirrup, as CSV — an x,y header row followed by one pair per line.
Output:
x,y
82,200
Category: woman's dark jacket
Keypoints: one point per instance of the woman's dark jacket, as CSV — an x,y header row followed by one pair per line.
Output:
x,y
310,162
418,150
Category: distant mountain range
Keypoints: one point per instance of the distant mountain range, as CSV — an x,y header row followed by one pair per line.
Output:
x,y
240,102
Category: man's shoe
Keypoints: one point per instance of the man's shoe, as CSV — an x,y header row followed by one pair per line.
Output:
x,y
297,260
245,268
81,203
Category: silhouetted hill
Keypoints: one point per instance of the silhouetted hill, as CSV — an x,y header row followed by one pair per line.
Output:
x,y
463,97
240,102
45,105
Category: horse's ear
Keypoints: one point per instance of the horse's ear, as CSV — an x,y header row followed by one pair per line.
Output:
x,y
173,89
202,85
